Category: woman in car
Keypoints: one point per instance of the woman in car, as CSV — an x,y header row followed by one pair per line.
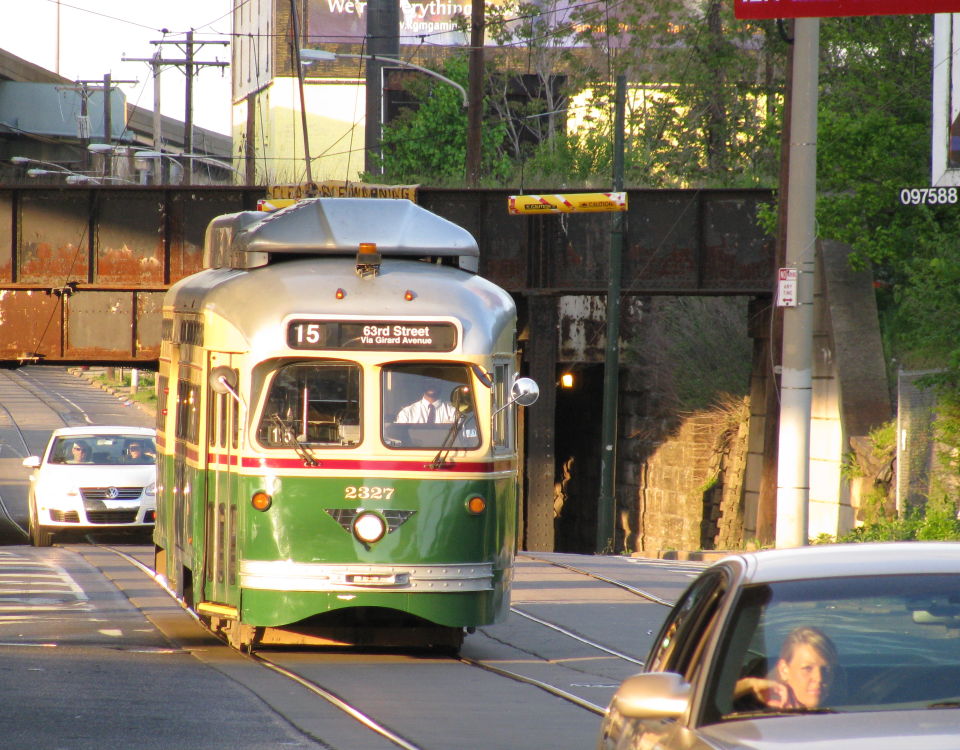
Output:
x,y
804,673
79,453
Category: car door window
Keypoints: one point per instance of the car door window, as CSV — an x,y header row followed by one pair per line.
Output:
x,y
684,629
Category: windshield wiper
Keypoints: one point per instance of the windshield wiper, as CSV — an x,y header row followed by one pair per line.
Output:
x,y
290,438
441,458
945,704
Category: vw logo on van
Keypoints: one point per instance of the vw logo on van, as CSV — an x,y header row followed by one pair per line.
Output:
x,y
112,493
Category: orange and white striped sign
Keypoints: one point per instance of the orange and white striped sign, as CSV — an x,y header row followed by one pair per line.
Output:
x,y
567,203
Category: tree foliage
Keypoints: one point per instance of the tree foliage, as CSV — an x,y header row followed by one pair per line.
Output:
x,y
874,139
705,109
429,144
703,100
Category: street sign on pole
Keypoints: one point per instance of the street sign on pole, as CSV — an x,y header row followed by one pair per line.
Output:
x,y
832,8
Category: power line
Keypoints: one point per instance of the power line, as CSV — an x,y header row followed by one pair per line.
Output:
x,y
190,68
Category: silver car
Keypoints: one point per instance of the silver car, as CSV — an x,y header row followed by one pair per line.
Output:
x,y
853,646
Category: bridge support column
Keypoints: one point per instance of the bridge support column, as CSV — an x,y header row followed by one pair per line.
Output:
x,y
541,356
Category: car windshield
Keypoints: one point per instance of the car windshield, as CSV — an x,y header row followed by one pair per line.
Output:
x,y
840,644
103,450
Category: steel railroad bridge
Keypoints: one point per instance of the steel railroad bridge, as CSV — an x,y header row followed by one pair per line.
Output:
x,y
83,271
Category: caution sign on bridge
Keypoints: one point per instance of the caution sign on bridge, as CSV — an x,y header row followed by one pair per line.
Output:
x,y
567,203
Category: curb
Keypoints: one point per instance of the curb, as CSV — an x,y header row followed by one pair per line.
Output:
x,y
118,392
710,555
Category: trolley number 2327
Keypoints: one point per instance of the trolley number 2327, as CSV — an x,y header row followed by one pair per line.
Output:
x,y
368,493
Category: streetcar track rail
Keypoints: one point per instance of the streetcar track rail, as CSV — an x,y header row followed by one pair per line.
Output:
x,y
577,637
368,721
73,416
4,511
267,663
552,689
606,579
336,701
390,735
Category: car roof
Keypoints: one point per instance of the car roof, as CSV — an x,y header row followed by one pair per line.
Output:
x,y
97,429
840,560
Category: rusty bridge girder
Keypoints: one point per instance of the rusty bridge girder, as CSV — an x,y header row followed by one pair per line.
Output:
x,y
83,269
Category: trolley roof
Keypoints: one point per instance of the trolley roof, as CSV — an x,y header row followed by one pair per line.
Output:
x,y
335,226
256,302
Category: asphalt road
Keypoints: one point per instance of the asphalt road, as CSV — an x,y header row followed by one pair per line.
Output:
x,y
96,654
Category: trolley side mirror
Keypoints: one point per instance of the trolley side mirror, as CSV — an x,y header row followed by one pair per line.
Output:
x,y
524,392
224,380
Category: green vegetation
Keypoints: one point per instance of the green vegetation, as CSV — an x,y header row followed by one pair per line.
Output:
x,y
119,379
705,106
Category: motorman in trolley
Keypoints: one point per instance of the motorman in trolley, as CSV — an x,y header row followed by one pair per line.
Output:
x,y
429,409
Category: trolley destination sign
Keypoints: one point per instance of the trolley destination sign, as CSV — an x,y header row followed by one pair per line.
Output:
x,y
428,336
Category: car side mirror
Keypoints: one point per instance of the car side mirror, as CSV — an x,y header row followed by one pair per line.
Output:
x,y
653,695
32,462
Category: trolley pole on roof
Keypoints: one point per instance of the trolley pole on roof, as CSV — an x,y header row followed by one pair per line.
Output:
x,y
606,505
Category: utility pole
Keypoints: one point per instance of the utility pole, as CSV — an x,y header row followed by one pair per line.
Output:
x,y
107,126
85,88
188,106
793,475
383,40
295,55
475,95
606,502
190,65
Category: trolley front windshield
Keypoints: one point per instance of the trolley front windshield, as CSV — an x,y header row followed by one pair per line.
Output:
x,y
314,402
428,405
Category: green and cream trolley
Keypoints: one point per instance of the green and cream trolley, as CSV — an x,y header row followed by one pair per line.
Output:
x,y
337,455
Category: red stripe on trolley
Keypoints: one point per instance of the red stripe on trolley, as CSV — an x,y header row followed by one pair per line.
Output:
x,y
222,459
340,464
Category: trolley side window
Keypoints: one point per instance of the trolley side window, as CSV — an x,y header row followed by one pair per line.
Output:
x,y
187,426
162,393
502,423
315,402
428,405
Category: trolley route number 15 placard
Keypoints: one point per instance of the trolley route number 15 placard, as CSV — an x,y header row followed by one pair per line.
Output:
x,y
432,336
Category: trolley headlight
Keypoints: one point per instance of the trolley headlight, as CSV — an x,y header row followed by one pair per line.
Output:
x,y
368,527
261,500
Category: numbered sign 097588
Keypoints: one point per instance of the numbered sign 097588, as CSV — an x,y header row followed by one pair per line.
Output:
x,y
931,196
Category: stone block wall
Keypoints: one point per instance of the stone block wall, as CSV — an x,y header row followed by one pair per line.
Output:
x,y
690,493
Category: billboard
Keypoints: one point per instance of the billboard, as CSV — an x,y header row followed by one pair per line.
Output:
x,y
831,8
427,22
251,69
